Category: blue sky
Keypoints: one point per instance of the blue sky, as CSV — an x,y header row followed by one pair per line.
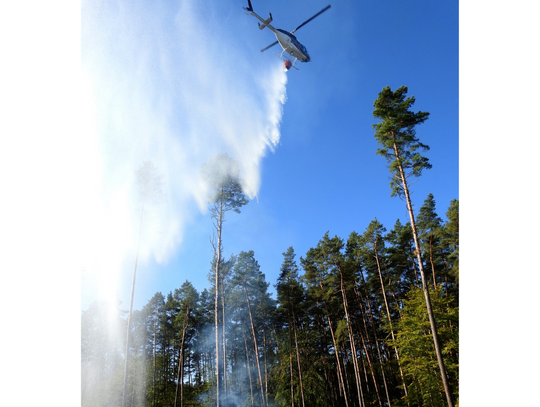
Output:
x,y
176,82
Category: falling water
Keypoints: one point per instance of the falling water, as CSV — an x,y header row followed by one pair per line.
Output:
x,y
172,83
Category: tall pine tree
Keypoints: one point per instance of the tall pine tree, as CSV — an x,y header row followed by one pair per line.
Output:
x,y
223,177
396,135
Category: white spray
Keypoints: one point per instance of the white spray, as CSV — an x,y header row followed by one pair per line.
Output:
x,y
173,86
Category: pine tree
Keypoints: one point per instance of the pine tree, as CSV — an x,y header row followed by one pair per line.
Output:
x,y
222,175
152,310
290,293
414,339
371,252
429,231
189,298
249,279
451,238
332,258
396,134
321,289
400,258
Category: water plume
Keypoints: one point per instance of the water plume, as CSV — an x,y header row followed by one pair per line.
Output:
x,y
173,84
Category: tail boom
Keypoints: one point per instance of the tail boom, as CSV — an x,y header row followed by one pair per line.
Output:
x,y
264,23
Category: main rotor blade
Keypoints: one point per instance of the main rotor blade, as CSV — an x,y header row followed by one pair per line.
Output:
x,y
307,21
271,45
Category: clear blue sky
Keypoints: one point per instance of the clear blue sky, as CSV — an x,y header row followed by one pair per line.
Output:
x,y
175,82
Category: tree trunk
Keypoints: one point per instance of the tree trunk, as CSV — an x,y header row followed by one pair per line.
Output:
x,y
390,287
298,359
377,347
154,363
344,357
180,375
182,371
126,365
370,364
425,287
431,260
366,378
354,355
383,288
247,365
265,365
336,351
216,304
223,339
290,361
256,347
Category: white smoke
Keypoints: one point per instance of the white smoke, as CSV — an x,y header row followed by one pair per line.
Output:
x,y
173,84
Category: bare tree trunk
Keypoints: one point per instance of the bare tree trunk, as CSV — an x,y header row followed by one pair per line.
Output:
x,y
256,347
431,260
372,323
216,304
126,365
365,372
154,363
412,257
371,368
265,365
247,364
391,332
425,288
264,320
290,362
223,339
354,355
180,375
298,359
383,288
394,296
324,350
336,351
182,372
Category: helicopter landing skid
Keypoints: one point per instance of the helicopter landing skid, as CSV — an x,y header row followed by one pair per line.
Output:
x,y
287,59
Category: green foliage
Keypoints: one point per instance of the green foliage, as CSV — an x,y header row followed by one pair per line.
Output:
x,y
429,227
310,314
427,220
313,305
341,333
400,257
396,135
451,237
415,344
223,177
339,311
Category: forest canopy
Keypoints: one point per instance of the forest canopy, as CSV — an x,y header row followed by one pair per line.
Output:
x,y
369,319
303,341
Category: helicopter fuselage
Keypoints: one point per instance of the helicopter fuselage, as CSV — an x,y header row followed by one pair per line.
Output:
x,y
291,45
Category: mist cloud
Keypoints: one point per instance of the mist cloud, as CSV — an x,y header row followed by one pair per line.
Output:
x,y
172,86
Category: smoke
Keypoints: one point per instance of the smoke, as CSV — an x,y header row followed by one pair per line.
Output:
x,y
173,83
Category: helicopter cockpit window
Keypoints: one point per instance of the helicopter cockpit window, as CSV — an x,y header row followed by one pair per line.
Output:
x,y
288,33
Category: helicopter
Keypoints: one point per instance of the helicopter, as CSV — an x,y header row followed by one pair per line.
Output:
x,y
287,40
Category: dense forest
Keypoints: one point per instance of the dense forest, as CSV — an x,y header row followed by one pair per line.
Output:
x,y
369,319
